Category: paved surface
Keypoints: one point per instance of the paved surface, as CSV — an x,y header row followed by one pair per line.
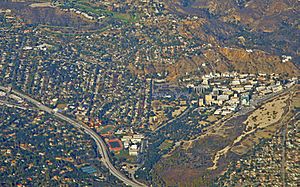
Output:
x,y
102,148
8,104
284,137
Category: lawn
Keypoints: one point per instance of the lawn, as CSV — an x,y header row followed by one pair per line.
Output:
x,y
88,8
124,154
106,129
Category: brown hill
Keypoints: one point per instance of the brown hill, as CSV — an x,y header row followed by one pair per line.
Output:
x,y
222,60
268,25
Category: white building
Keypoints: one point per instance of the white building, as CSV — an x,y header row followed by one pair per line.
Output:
x,y
133,150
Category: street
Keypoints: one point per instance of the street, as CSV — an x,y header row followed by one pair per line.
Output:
x,y
99,142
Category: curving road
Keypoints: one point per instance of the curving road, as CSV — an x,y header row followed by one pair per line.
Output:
x,y
102,148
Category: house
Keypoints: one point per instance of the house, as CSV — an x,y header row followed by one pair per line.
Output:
x,y
235,82
277,88
223,97
248,87
208,99
201,102
239,89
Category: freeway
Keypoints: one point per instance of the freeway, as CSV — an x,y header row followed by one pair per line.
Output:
x,y
102,148
12,105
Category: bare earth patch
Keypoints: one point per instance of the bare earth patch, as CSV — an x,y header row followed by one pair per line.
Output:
x,y
46,4
262,123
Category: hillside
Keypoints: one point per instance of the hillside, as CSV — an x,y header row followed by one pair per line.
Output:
x,y
272,26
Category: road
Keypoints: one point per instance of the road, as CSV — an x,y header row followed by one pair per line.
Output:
x,y
15,105
102,148
7,90
284,130
259,102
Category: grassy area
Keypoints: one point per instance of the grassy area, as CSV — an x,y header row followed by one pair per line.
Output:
x,y
88,8
106,129
167,144
61,105
212,118
124,154
59,33
55,26
263,123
